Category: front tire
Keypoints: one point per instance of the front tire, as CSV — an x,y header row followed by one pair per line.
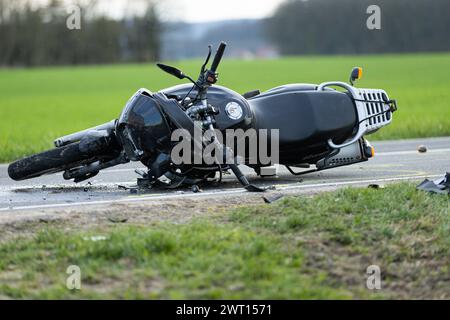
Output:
x,y
51,161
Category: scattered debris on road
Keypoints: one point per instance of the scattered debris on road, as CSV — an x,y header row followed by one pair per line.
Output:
x,y
441,185
272,198
195,189
132,190
86,188
422,148
95,238
375,186
118,219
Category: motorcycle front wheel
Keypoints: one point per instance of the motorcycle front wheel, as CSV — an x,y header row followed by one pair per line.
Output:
x,y
51,161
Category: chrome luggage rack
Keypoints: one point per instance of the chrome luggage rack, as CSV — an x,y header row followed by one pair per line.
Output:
x,y
373,107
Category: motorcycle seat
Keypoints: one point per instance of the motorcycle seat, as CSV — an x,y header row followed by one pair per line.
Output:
x,y
305,116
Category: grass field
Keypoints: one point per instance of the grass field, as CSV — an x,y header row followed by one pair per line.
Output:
x,y
40,104
298,247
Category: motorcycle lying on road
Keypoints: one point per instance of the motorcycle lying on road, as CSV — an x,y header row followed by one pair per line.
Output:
x,y
317,125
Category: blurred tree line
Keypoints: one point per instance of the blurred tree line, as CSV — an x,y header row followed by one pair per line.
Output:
x,y
33,35
339,26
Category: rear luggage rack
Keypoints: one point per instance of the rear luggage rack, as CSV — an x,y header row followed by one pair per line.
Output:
x,y
376,104
373,107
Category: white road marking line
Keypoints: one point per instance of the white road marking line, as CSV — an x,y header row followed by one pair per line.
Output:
x,y
398,153
206,194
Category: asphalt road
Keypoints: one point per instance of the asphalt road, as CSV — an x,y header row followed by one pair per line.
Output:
x,y
394,161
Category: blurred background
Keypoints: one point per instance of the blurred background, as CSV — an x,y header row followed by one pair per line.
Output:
x,y
34,32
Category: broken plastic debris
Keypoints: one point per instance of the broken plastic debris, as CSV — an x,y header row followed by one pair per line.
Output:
x,y
272,198
441,185
422,148
133,189
375,186
117,219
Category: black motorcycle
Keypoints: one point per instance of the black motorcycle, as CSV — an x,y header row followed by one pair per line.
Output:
x,y
310,125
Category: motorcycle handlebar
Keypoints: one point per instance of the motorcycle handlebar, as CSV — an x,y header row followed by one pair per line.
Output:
x,y
218,56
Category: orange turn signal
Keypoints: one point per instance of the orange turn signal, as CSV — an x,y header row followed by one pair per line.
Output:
x,y
360,73
355,74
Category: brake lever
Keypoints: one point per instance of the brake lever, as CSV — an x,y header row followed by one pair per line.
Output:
x,y
202,70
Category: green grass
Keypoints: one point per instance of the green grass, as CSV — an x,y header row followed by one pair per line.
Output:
x,y
38,105
198,260
298,247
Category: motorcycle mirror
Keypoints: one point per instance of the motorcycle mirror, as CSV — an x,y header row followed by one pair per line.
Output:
x,y
172,70
356,74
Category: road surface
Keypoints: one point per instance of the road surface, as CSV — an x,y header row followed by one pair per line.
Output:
x,y
394,161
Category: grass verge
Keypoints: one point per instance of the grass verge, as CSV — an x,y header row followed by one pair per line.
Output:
x,y
296,248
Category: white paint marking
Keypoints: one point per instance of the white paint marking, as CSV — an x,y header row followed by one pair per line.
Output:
x,y
399,153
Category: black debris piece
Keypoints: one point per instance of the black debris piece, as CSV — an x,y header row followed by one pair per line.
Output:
x,y
422,148
195,188
117,219
441,185
272,198
132,189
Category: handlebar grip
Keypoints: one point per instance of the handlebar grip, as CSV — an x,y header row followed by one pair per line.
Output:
x,y
218,56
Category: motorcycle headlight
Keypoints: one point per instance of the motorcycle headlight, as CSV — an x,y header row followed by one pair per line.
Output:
x,y
142,127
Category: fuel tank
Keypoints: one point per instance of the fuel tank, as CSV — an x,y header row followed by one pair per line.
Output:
x,y
234,109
